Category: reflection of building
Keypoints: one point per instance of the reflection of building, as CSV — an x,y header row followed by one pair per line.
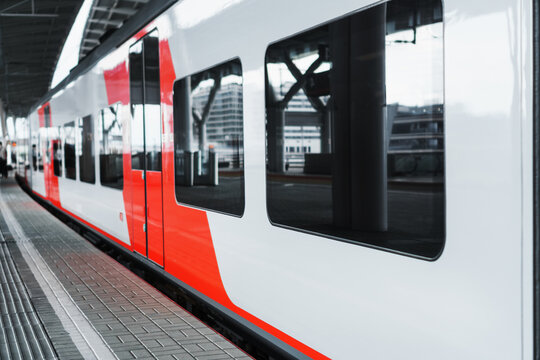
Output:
x,y
225,123
301,140
415,128
415,137
416,143
302,128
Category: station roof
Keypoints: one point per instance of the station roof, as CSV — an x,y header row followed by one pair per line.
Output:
x,y
105,17
32,34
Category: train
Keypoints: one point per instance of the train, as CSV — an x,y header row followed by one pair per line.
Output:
x,y
343,179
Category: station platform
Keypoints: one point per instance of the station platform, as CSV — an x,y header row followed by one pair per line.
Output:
x,y
62,298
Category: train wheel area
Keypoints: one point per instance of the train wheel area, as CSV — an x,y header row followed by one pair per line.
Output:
x,y
63,297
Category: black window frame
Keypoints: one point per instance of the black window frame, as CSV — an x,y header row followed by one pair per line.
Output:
x,y
58,168
87,175
73,150
34,148
345,239
119,184
42,143
241,150
145,94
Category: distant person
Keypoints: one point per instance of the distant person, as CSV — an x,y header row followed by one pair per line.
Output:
x,y
3,160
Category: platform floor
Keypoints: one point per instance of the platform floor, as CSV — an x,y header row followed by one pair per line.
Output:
x,y
61,297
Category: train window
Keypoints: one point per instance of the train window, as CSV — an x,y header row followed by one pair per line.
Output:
x,y
145,103
137,105
57,150
35,143
355,129
208,139
87,171
152,102
47,116
48,133
111,148
42,143
69,150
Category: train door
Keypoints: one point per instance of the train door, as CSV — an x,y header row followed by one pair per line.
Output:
x,y
52,141
147,210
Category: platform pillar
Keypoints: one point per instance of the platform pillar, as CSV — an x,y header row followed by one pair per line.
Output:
x,y
359,186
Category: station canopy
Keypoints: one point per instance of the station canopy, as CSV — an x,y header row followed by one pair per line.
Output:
x,y
32,35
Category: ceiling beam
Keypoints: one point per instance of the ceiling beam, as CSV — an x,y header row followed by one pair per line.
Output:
x,y
94,31
106,22
28,15
91,41
121,11
13,6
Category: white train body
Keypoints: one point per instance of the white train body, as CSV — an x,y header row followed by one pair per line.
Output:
x,y
310,293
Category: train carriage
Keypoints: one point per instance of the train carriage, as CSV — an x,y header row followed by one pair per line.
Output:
x,y
349,179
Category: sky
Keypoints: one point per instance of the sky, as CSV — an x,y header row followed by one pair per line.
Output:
x,y
69,57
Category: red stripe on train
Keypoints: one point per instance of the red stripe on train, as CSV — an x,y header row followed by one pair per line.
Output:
x,y
188,247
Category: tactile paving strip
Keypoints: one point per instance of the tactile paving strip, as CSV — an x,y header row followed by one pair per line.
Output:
x,y
22,335
133,319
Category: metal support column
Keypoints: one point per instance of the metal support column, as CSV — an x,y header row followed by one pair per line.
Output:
x,y
359,163
368,128
276,139
184,139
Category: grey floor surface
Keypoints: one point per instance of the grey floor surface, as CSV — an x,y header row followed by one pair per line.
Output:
x,y
63,298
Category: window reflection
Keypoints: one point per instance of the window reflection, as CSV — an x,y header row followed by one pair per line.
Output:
x,y
35,146
152,134
42,146
87,171
355,130
111,148
47,118
69,150
137,107
54,134
208,128
145,104
152,102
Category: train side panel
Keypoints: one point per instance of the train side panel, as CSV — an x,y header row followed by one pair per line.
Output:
x,y
323,297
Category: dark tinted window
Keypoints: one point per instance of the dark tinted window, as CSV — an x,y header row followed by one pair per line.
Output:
x,y
355,130
208,139
152,101
47,133
111,148
57,151
87,171
35,143
69,149
47,116
42,146
145,104
137,107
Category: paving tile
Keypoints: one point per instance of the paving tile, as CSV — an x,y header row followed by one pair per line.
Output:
x,y
133,319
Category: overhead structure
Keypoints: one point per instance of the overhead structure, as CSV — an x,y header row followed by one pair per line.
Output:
x,y
105,17
32,34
